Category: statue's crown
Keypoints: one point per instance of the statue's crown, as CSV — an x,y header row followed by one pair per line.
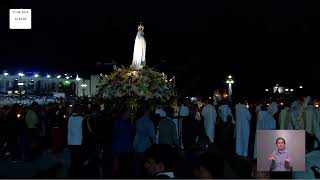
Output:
x,y
140,27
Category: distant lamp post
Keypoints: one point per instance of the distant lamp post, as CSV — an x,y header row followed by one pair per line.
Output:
x,y
6,74
20,84
267,90
78,81
230,82
77,78
36,75
20,74
247,105
84,86
300,87
48,76
286,90
291,90
59,76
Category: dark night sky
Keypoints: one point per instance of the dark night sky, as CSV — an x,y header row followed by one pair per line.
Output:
x,y
199,42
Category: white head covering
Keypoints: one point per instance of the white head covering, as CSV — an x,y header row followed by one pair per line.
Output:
x,y
183,111
161,112
306,101
295,105
258,108
296,108
273,108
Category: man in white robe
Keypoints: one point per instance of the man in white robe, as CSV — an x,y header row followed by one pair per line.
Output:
x,y
210,115
310,117
312,160
243,118
162,115
258,109
295,117
283,118
224,111
273,108
265,121
182,111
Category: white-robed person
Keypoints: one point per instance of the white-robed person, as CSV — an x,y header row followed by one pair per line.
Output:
x,y
311,118
162,114
295,117
243,118
224,111
283,118
182,111
265,121
210,116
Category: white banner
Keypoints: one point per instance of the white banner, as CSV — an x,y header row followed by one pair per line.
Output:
x,y
20,18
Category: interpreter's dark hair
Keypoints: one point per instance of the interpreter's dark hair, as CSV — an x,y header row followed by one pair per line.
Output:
x,y
281,139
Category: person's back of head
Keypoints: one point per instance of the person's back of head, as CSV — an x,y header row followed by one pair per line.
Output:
x,y
147,111
224,102
124,113
210,101
77,109
170,111
95,108
229,118
6,108
208,166
242,100
160,158
193,111
264,107
34,105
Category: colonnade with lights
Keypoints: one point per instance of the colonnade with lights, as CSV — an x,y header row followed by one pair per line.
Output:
x,y
27,83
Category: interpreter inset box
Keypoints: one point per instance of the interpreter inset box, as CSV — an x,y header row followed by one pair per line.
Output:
x,y
280,150
20,18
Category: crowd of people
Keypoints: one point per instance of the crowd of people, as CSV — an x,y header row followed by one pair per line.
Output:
x,y
212,139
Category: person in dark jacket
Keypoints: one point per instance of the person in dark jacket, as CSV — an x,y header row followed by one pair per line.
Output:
x,y
122,145
190,130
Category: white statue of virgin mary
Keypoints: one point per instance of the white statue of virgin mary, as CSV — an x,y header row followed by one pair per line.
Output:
x,y
139,52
